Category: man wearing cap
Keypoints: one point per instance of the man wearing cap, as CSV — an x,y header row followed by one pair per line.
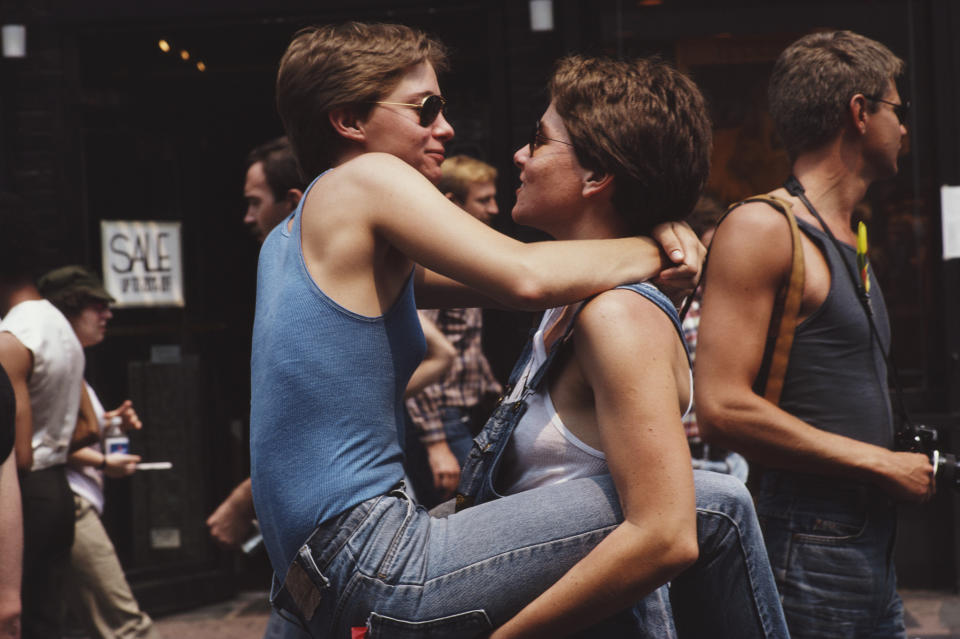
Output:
x,y
44,360
96,580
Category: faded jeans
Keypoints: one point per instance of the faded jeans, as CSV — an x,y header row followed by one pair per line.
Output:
x,y
831,548
390,566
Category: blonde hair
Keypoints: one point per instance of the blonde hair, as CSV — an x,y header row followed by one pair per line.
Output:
x,y
460,171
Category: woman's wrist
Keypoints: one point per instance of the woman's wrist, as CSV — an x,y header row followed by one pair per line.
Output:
x,y
103,462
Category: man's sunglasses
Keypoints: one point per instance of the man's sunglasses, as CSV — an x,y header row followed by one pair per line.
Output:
x,y
536,137
430,108
900,110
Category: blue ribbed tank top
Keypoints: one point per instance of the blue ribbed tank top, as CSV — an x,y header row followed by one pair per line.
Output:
x,y
836,379
327,384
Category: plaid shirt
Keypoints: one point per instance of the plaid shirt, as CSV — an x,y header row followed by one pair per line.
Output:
x,y
469,380
691,326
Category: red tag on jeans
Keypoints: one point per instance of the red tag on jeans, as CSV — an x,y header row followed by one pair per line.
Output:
x,y
358,632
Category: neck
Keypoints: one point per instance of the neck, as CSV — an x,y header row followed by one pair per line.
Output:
x,y
16,293
595,222
834,182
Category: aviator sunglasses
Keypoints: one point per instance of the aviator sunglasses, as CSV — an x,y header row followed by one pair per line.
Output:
x,y
900,110
536,137
430,108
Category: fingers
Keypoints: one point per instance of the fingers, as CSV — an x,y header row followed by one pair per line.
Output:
x,y
667,237
446,482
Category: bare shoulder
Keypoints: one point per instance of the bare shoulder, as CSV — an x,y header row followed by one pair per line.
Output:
x,y
753,236
17,360
623,318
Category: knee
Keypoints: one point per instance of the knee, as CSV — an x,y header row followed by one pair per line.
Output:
x,y
722,494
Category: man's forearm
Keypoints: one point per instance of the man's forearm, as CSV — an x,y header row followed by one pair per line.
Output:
x,y
764,433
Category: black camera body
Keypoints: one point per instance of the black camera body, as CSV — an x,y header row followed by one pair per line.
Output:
x,y
923,439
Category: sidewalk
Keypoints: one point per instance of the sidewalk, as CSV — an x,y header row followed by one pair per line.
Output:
x,y
929,615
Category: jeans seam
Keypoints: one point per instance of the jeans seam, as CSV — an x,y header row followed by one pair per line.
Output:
x,y
751,577
386,563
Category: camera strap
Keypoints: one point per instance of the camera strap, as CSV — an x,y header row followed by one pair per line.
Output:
x,y
793,186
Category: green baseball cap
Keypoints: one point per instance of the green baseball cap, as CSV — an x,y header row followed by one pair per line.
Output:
x,y
69,279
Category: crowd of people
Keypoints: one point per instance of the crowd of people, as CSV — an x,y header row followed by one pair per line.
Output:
x,y
394,496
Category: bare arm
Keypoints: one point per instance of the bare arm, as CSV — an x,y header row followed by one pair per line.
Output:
x,y
632,374
11,541
17,360
436,362
232,522
114,465
750,258
681,256
376,203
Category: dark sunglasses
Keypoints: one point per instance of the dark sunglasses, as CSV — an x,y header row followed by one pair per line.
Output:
x,y
536,138
900,110
430,108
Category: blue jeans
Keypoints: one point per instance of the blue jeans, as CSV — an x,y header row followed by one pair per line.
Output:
x,y
387,564
456,427
830,544
729,591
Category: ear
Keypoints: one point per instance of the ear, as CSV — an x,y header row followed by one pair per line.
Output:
x,y
857,109
597,183
292,198
346,123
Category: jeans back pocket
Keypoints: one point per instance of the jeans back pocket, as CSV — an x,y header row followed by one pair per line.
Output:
x,y
464,625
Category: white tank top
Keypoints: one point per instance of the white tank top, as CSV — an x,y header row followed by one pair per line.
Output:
x,y
542,451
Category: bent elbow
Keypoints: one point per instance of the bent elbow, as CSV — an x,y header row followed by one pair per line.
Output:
x,y
683,553
717,421
528,291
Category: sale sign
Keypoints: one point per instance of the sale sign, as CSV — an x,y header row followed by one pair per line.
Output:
x,y
142,263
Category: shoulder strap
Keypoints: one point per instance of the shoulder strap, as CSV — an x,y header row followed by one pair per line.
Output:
x,y
786,309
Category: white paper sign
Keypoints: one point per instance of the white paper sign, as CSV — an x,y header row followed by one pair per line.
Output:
x,y
141,262
950,216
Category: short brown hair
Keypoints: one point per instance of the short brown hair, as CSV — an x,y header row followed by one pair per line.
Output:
x,y
460,171
280,166
346,65
643,122
815,77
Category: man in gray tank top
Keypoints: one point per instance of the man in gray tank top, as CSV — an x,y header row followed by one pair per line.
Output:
x,y
826,500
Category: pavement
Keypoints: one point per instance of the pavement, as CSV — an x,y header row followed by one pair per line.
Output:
x,y
929,615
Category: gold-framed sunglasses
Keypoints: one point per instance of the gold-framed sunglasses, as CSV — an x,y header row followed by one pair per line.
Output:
x,y
429,109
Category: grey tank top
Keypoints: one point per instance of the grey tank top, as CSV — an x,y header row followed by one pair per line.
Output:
x,y
836,379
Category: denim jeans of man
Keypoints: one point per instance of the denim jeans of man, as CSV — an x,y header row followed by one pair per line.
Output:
x,y
830,544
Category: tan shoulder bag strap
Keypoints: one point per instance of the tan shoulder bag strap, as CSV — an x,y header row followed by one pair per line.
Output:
x,y
786,310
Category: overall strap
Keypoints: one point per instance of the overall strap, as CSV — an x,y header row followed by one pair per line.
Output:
x,y
534,381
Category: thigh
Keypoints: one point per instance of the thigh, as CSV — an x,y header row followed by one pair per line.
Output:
x,y
48,534
464,574
831,569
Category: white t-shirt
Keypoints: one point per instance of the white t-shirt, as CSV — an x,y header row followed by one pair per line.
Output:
x,y
56,379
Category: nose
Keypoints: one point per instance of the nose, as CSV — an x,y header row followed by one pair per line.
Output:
x,y
492,209
249,218
521,156
442,130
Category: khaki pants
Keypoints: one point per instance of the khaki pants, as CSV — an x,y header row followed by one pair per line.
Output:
x,y
98,583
